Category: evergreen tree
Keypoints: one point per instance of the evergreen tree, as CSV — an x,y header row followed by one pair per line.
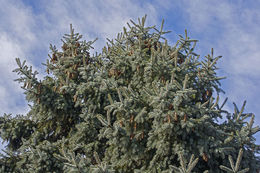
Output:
x,y
139,106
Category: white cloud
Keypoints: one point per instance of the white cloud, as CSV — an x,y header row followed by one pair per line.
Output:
x,y
10,91
228,26
17,22
232,25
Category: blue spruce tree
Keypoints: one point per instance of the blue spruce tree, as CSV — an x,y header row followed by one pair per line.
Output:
x,y
139,106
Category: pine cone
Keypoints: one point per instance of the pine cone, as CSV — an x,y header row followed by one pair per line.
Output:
x,y
68,74
169,118
138,68
112,72
135,126
185,118
175,117
163,80
132,136
54,58
74,75
39,89
75,98
147,44
77,44
131,52
64,47
54,88
209,93
180,60
205,157
132,119
157,45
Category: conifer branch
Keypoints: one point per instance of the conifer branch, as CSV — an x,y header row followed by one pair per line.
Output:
x,y
236,167
185,168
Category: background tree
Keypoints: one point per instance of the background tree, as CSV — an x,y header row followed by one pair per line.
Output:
x,y
139,106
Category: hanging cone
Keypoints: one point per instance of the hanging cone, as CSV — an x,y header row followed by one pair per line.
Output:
x,y
132,136
131,52
68,74
77,44
138,68
74,75
185,118
118,72
39,89
163,80
205,157
147,44
175,118
54,88
54,58
112,72
64,47
180,60
75,98
132,119
169,118
209,93
170,107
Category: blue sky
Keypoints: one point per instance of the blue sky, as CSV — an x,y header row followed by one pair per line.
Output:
x,y
232,29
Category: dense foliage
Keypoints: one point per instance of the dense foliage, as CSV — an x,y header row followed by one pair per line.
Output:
x,y
139,106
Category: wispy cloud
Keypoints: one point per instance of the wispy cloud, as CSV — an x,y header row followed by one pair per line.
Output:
x,y
232,30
